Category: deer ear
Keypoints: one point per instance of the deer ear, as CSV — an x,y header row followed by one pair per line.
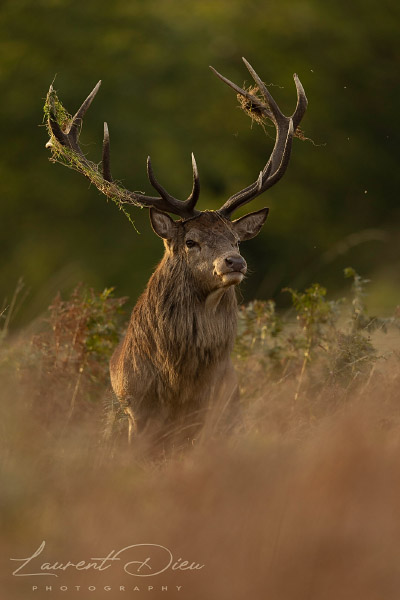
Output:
x,y
249,226
162,224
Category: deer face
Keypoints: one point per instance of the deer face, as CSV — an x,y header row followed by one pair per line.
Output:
x,y
209,244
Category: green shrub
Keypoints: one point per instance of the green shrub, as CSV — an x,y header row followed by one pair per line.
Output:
x,y
323,342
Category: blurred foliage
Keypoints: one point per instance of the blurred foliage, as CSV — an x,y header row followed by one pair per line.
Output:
x,y
337,204
337,345
318,344
67,361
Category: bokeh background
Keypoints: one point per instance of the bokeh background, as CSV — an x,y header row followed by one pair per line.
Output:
x,y
337,205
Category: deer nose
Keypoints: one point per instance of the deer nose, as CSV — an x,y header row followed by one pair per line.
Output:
x,y
236,263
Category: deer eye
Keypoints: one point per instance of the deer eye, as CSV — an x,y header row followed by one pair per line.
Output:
x,y
190,243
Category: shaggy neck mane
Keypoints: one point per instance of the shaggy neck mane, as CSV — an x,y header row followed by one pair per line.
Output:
x,y
174,322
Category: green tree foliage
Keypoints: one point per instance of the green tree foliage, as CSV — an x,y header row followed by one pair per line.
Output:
x,y
337,203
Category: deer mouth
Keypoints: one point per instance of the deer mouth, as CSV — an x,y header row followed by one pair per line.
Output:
x,y
229,278
232,278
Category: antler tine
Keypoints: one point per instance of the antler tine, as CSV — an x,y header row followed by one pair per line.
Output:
x,y
275,110
105,161
52,119
285,128
80,113
156,185
69,137
183,209
302,102
56,131
251,97
194,196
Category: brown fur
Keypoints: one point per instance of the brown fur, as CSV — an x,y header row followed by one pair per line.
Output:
x,y
174,362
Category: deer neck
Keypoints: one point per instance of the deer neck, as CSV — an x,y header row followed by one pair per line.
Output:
x,y
214,299
175,284
187,333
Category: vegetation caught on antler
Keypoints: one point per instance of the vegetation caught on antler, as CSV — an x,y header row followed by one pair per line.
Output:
x,y
55,112
255,107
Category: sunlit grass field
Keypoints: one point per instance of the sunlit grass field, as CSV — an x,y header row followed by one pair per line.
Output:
x,y
301,501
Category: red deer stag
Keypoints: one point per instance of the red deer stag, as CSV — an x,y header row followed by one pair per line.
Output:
x,y
174,363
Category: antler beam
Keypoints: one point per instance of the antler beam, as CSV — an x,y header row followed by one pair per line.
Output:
x,y
285,129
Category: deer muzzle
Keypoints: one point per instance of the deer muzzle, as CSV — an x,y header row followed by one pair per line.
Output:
x,y
230,269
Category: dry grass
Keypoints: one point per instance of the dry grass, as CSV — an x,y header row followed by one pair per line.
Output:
x,y
303,503
257,108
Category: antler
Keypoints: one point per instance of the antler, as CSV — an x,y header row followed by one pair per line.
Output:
x,y
64,143
285,129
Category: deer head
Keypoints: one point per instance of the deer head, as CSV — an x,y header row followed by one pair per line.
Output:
x,y
208,244
207,240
